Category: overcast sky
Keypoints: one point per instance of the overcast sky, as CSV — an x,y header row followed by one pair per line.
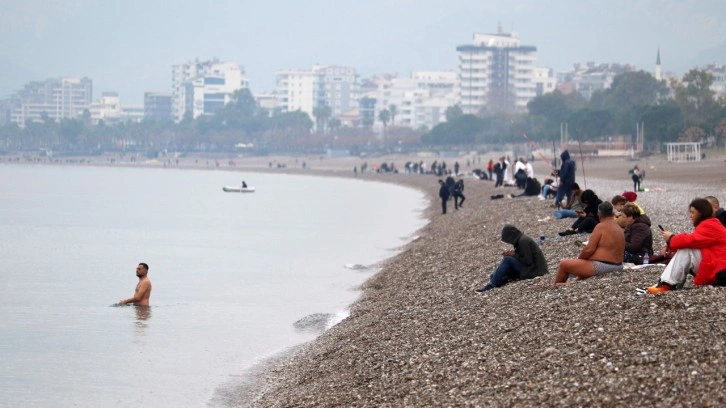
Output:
x,y
129,45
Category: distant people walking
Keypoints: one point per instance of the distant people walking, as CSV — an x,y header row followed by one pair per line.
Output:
x,y
567,178
525,261
459,194
490,168
444,195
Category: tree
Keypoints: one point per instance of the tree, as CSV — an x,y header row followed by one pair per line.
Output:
x,y
590,124
720,132
334,124
662,122
384,116
322,114
453,112
695,96
393,109
692,134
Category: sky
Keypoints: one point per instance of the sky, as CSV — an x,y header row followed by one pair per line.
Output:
x,y
129,46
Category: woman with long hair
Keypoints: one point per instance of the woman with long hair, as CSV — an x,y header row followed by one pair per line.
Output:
x,y
701,253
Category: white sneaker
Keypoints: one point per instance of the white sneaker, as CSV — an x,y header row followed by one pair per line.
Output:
x,y
541,198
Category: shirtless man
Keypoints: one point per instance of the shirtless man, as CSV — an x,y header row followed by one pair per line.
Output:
x,y
143,288
603,253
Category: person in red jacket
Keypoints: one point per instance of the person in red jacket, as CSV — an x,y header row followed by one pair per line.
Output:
x,y
702,253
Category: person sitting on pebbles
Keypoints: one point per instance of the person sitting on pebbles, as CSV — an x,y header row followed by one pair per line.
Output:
x,y
602,254
525,261
700,253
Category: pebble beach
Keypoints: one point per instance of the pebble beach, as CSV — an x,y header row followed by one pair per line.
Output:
x,y
420,335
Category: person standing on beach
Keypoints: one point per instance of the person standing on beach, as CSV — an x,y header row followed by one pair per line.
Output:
x,y
635,176
459,194
525,261
490,168
602,254
567,178
143,288
444,195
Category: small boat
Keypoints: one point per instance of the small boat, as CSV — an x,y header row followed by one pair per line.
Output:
x,y
238,189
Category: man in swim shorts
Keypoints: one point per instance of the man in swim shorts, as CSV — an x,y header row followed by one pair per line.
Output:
x,y
602,254
143,288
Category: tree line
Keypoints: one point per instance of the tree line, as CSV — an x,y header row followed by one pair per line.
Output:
x,y
687,110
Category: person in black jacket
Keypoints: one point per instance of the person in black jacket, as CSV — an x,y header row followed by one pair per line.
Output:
x,y
718,212
567,178
526,261
444,195
459,194
588,218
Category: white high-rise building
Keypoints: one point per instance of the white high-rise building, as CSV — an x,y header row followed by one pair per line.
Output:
x,y
496,72
56,99
106,109
420,100
201,88
323,85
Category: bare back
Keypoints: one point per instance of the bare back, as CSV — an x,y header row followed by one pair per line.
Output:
x,y
607,243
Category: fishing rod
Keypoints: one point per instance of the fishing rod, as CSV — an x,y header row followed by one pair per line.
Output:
x,y
582,161
532,144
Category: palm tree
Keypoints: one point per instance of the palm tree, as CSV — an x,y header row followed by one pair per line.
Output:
x,y
393,110
321,113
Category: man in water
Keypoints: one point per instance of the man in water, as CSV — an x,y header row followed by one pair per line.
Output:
x,y
603,253
143,288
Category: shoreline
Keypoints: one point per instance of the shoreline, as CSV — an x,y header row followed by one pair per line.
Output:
x,y
418,335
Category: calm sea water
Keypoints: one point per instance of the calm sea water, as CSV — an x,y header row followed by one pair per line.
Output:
x,y
231,275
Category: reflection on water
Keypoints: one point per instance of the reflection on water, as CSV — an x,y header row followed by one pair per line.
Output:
x,y
143,313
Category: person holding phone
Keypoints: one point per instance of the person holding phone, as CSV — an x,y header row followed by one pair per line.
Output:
x,y
587,217
700,253
525,261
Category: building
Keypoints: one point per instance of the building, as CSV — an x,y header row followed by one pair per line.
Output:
x,y
719,79
333,86
496,72
420,100
591,77
203,87
106,109
157,106
52,99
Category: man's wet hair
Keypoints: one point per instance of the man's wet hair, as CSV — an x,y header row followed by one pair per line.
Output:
x,y
144,265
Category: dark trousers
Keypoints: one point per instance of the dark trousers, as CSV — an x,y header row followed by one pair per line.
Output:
x,y
443,204
507,270
564,191
458,200
584,224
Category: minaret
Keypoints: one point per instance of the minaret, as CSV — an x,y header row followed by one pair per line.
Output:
x,y
658,72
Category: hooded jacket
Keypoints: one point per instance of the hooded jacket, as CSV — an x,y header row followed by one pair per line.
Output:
x,y
710,237
526,251
568,169
639,237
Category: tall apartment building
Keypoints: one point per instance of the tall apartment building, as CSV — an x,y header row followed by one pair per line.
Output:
x,y
202,87
304,90
58,98
157,106
421,100
496,72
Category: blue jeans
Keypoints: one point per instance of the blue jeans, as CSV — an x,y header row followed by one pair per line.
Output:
x,y
507,270
563,192
560,214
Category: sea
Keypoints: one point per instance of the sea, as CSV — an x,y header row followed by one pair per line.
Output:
x,y
237,277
